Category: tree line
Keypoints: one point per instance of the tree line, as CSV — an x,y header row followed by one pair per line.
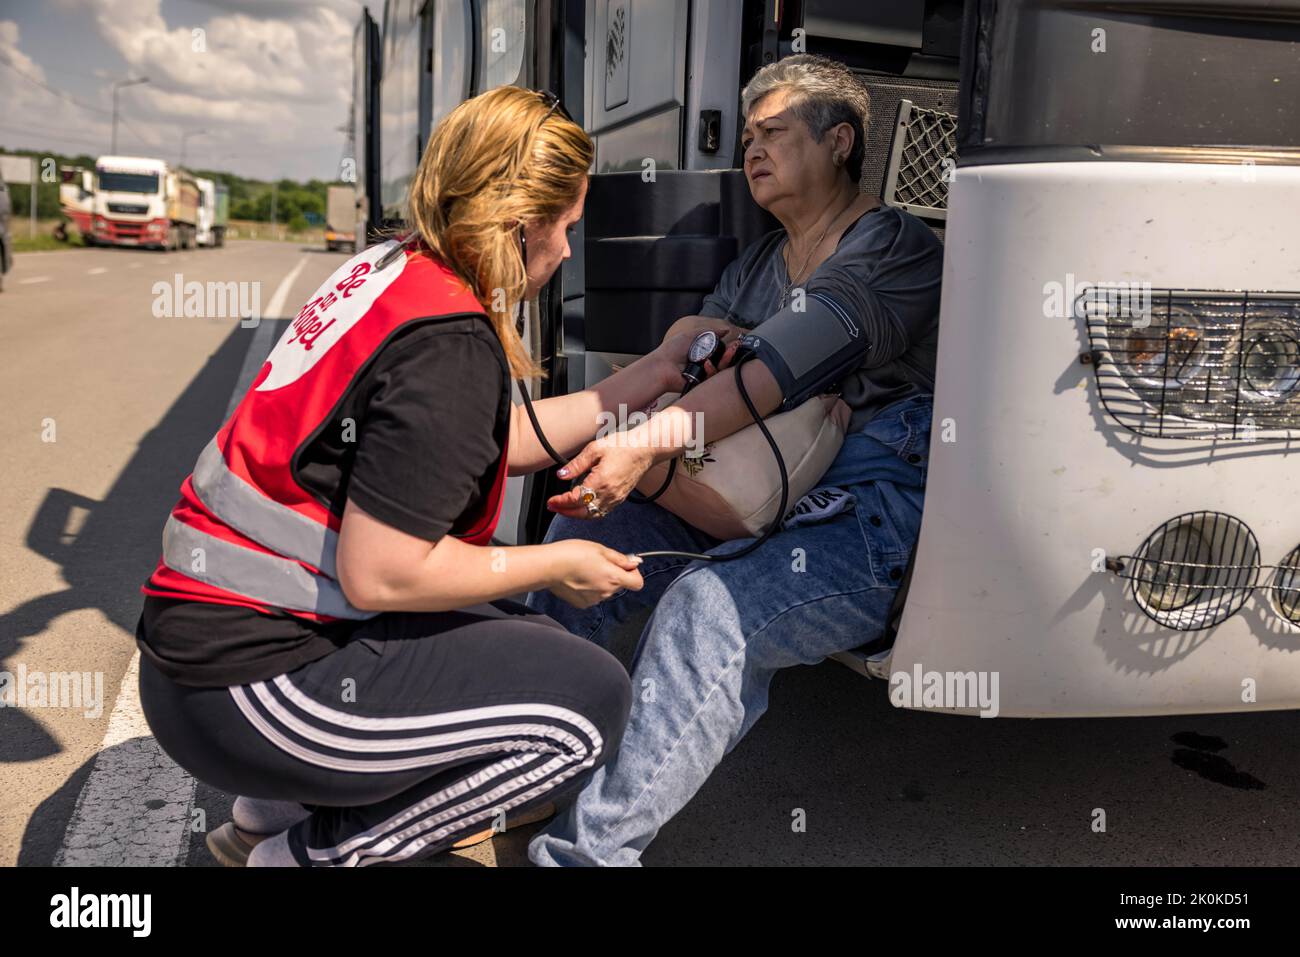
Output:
x,y
299,205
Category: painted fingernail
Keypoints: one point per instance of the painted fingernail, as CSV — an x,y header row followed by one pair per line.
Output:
x,y
564,473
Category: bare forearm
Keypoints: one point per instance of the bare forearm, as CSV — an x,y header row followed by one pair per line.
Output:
x,y
454,574
713,410
571,421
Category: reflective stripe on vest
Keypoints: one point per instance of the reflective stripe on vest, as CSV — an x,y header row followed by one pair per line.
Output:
x,y
264,520
268,579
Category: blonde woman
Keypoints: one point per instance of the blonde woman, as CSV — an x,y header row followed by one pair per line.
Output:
x,y
324,634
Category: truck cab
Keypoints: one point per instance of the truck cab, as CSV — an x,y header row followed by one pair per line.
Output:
x,y
130,205
143,202
207,212
212,214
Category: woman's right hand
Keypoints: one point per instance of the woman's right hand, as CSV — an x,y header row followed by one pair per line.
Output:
x,y
590,572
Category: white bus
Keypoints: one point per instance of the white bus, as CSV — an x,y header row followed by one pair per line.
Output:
x,y
1108,524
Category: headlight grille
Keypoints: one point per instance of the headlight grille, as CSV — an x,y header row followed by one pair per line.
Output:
x,y
1199,568
1286,588
1193,364
1193,571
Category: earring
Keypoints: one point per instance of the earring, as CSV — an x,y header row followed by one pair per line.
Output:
x,y
839,160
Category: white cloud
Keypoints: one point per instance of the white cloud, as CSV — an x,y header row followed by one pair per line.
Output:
x,y
15,56
34,115
270,82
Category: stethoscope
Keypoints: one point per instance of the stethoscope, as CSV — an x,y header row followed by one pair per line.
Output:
x,y
706,347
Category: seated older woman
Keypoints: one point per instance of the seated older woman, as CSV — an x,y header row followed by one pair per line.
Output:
x,y
825,581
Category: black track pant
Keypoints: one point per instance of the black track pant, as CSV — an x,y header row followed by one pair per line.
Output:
x,y
421,730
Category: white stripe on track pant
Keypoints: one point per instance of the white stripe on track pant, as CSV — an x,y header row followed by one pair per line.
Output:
x,y
420,730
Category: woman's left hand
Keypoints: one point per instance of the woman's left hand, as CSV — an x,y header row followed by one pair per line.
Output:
x,y
676,345
611,467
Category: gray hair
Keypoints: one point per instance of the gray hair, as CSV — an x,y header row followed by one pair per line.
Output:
x,y
822,92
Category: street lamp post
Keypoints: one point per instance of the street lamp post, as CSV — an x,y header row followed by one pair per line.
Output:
x,y
117,85
186,136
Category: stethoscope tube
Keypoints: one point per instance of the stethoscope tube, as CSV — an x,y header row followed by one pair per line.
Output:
x,y
693,375
776,451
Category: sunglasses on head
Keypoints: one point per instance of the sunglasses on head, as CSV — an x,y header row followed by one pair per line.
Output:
x,y
553,102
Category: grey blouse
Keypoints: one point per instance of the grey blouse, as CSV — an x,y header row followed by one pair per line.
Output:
x,y
886,270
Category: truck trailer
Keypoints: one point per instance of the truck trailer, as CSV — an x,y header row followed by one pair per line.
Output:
x,y
341,219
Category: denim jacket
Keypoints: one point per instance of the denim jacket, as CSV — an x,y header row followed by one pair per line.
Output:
x,y
883,467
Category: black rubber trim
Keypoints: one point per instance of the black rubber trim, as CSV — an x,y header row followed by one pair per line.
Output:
x,y
635,320
672,262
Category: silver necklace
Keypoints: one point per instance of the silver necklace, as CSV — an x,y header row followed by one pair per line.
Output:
x,y
789,280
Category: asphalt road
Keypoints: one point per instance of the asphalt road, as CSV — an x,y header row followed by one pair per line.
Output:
x,y
129,399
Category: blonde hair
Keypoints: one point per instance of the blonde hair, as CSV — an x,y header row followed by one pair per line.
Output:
x,y
496,159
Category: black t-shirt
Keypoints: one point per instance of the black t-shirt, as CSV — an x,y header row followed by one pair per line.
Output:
x,y
413,443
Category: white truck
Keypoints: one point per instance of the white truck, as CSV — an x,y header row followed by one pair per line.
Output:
x,y
213,213
341,219
143,202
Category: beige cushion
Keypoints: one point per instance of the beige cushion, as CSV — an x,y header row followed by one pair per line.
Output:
x,y
734,491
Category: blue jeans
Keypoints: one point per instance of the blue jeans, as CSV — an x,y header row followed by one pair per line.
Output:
x,y
721,630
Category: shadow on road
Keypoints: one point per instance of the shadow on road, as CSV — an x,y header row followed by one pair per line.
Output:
x,y
107,558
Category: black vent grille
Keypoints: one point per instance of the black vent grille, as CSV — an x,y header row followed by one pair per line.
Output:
x,y
132,208
917,180
1196,364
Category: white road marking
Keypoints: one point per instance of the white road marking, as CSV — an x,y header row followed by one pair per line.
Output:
x,y
134,809
135,805
96,271
33,280
282,291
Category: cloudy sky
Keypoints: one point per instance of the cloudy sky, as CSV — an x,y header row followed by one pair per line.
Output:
x,y
269,81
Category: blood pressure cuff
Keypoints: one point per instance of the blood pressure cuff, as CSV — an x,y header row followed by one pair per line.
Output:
x,y
808,351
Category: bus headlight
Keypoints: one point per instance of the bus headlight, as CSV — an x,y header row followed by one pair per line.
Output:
x,y
1161,357
1195,570
1198,364
1286,588
1268,355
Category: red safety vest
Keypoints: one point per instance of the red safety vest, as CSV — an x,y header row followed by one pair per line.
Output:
x,y
245,532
